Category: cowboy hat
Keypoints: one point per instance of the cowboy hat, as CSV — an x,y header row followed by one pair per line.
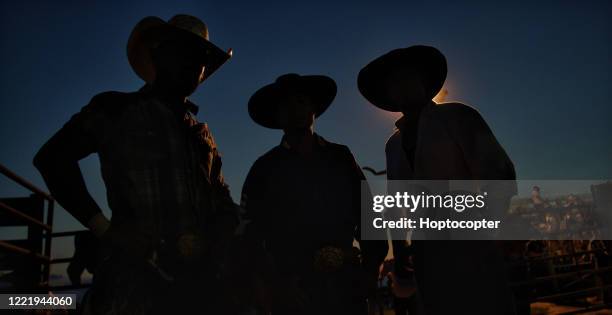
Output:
x,y
151,31
427,62
320,89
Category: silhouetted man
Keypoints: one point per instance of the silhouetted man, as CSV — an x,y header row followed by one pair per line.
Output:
x,y
172,211
302,199
447,141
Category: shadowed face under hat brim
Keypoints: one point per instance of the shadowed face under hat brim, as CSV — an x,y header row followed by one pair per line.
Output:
x,y
263,105
428,62
151,31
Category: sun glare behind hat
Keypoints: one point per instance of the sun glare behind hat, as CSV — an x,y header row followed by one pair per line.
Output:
x,y
428,62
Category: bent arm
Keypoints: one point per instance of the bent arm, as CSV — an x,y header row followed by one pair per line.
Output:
x,y
373,251
58,163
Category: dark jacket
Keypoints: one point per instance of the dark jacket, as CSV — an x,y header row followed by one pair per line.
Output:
x,y
299,204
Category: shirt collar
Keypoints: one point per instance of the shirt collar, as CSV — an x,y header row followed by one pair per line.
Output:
x,y
318,141
400,122
188,106
191,107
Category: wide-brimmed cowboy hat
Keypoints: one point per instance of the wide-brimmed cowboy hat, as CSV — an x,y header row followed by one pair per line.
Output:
x,y
152,31
427,62
263,105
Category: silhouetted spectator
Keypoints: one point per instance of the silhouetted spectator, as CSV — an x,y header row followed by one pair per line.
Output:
x,y
449,141
302,199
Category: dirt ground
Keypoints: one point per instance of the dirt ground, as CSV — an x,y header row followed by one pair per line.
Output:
x,y
550,309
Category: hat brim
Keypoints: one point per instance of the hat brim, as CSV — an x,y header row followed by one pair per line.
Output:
x,y
426,61
263,105
151,31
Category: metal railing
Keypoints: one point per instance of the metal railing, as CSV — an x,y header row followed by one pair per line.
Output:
x,y
44,257
47,227
598,287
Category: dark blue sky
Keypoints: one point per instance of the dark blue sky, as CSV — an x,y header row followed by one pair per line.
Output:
x,y
538,71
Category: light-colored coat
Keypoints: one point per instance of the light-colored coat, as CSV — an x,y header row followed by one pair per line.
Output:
x,y
453,142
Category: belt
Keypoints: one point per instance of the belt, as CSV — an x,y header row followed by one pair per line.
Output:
x,y
332,258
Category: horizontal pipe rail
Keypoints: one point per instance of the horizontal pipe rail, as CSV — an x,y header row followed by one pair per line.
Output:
x,y
553,257
18,179
23,251
24,216
591,308
64,234
561,275
570,294
62,260
69,287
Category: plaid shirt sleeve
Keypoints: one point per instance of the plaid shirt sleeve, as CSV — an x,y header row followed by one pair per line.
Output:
x,y
78,138
211,164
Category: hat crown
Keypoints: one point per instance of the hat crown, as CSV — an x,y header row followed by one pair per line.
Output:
x,y
263,104
152,30
287,79
191,24
427,62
